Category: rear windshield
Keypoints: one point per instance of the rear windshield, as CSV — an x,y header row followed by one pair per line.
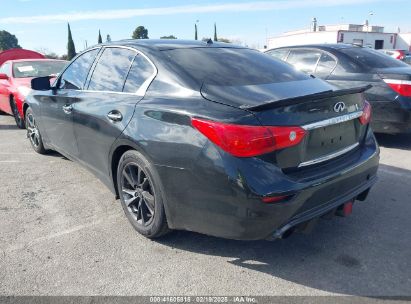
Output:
x,y
28,69
371,58
232,67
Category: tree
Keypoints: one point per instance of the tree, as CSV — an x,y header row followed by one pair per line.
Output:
x,y
215,32
108,39
100,40
140,33
47,53
169,37
224,40
195,32
71,48
8,41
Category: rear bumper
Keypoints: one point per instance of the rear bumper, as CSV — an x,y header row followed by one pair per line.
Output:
x,y
221,196
390,117
360,191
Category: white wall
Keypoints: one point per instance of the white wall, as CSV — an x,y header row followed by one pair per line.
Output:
x,y
403,41
303,38
331,37
369,38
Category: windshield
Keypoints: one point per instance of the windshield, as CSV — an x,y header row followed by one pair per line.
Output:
x,y
29,69
232,67
371,58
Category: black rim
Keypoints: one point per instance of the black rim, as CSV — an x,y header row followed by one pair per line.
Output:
x,y
138,194
32,130
15,112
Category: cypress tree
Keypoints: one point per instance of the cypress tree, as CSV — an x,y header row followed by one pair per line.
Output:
x,y
100,40
215,32
71,48
195,32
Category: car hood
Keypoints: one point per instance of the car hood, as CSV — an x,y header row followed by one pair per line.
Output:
x,y
258,95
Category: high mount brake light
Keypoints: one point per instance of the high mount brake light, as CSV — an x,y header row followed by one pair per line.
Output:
x,y
366,113
249,141
402,87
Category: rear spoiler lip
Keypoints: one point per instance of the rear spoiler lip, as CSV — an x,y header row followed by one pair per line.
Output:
x,y
296,100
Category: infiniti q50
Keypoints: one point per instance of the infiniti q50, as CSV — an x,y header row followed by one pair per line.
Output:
x,y
208,137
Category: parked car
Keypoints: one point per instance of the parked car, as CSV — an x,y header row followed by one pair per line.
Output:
x,y
346,66
397,54
14,54
15,78
207,137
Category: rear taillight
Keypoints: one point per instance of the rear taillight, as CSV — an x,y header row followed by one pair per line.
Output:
x,y
275,199
248,141
402,87
366,113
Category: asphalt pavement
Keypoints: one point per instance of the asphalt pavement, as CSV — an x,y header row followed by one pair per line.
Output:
x,y
63,233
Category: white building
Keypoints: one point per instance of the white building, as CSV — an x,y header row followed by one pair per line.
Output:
x,y
403,41
364,35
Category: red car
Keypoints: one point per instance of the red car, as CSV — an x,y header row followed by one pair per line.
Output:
x,y
15,82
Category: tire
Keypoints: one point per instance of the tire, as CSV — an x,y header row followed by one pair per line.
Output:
x,y
140,194
33,133
19,121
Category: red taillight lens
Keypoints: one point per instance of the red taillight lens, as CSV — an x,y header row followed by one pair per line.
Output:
x,y
275,199
366,113
402,87
248,141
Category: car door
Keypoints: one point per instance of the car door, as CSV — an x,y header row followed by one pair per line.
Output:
x,y
116,85
57,106
5,88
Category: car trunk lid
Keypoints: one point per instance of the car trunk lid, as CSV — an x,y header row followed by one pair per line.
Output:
x,y
330,117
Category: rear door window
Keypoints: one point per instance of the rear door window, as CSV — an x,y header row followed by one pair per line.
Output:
x,y
304,60
279,54
74,77
111,70
325,66
140,72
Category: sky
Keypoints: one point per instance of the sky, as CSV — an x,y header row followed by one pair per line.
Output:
x,y
42,24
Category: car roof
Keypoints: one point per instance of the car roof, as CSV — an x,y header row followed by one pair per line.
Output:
x,y
170,44
37,59
324,46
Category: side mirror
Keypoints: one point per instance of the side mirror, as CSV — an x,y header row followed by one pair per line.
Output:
x,y
41,83
3,76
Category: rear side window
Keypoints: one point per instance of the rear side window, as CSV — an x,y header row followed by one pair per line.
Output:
x,y
372,59
279,54
111,70
231,67
140,72
304,60
325,66
75,75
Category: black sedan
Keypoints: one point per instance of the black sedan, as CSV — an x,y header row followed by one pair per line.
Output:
x,y
208,137
346,65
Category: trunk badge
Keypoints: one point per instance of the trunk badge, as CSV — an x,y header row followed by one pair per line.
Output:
x,y
339,107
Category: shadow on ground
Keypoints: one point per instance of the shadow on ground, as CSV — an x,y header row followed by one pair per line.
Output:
x,y
398,141
363,254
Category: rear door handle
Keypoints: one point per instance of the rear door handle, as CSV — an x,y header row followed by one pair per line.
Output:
x,y
67,109
115,116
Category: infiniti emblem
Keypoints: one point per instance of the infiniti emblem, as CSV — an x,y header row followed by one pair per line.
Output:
x,y
339,107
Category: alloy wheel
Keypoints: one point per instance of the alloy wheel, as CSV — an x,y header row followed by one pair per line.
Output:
x,y
16,113
32,130
138,194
